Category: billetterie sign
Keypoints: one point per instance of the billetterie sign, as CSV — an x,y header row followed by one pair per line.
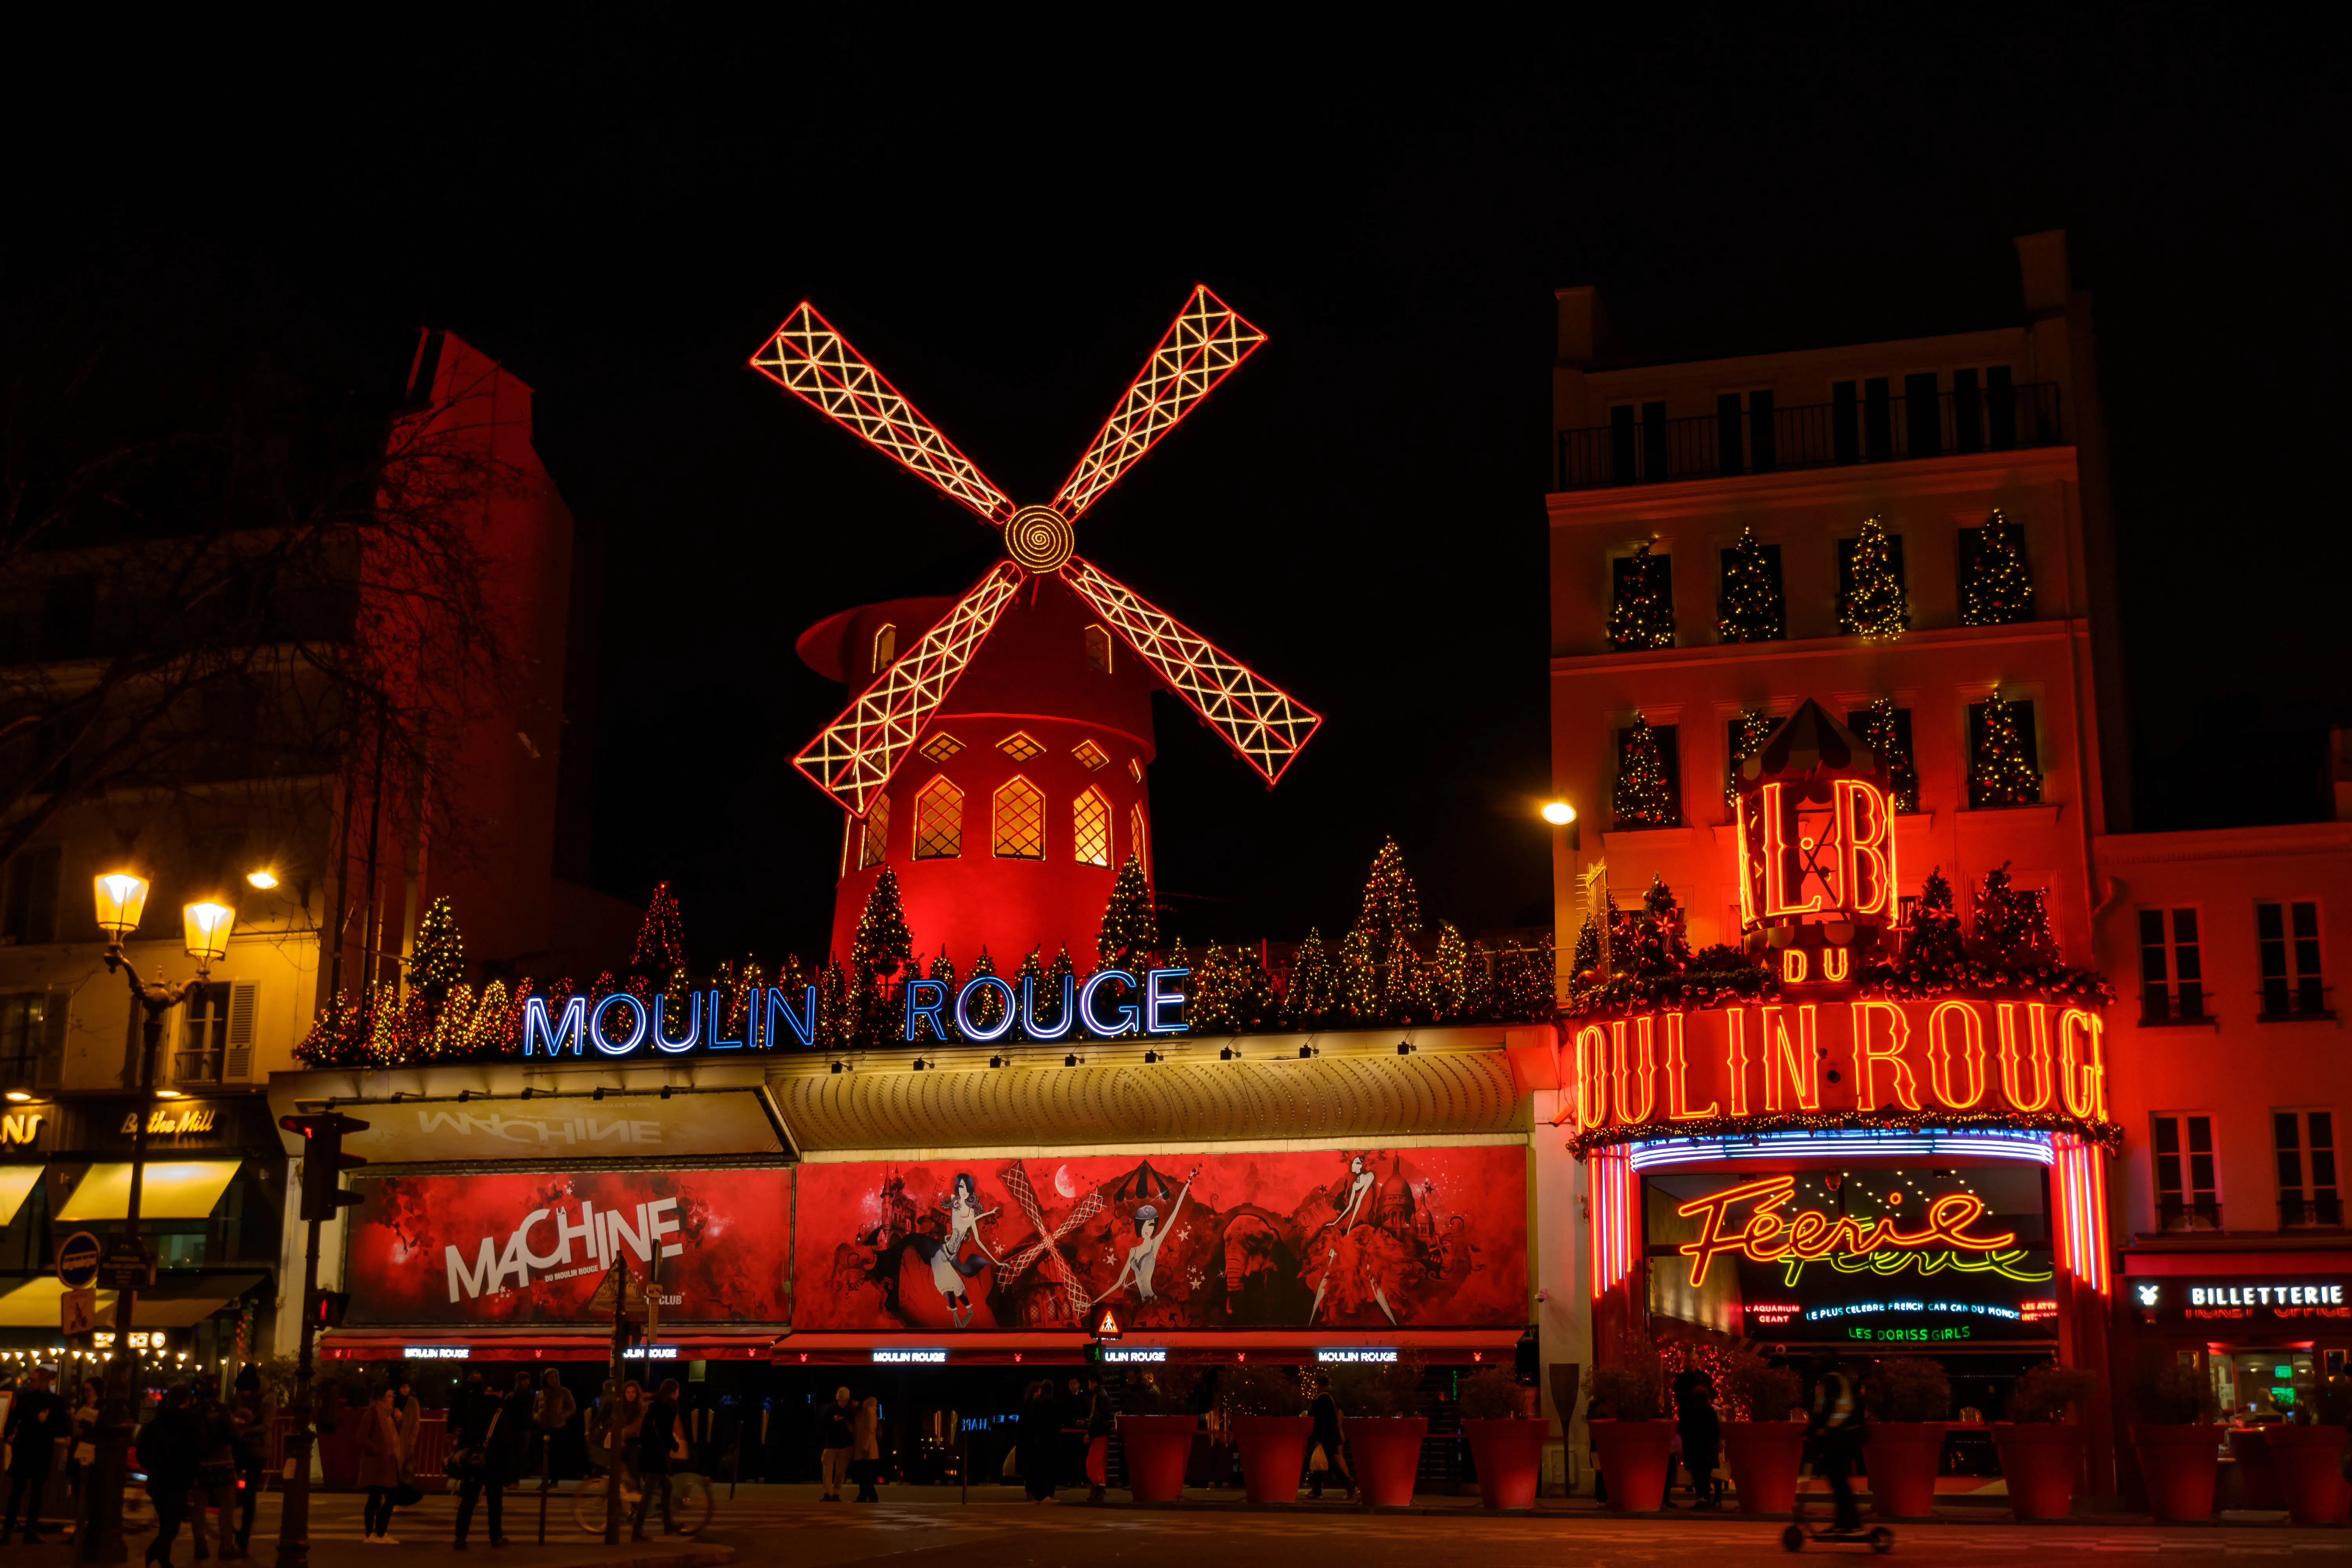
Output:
x,y
1108,1004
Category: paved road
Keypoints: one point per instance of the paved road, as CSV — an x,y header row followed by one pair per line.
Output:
x,y
780,1524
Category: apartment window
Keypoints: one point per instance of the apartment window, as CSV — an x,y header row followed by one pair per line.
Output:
x,y
28,897
1637,442
203,1037
1984,409
1845,549
885,648
1996,581
2004,756
939,821
1886,729
1090,828
1649,777
1017,822
2287,935
1877,419
1750,604
1923,416
2187,1197
2172,970
1642,601
875,838
1098,650
1845,436
32,1038
2306,1145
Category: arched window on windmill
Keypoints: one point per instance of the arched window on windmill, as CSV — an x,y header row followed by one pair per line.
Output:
x,y
1090,828
939,820
886,647
1016,820
1139,843
1099,650
876,834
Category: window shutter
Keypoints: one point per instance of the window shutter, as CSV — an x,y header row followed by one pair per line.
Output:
x,y
237,1062
51,1071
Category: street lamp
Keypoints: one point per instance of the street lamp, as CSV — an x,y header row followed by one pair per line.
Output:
x,y
121,898
1559,813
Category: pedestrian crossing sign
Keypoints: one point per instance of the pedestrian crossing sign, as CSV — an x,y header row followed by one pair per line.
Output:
x,y
1107,1326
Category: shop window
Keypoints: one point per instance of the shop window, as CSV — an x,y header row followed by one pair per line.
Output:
x,y
2304,1141
28,897
1017,822
1099,650
2288,937
1090,828
939,821
875,835
2172,970
2187,1196
32,1038
885,648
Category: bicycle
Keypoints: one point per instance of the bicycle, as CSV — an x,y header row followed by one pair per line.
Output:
x,y
1804,1525
691,1503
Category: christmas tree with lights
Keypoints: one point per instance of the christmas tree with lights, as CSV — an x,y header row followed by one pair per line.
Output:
x,y
1752,609
1478,984
1643,614
437,962
988,1003
1932,948
661,940
1656,942
1874,605
2000,772
1644,796
1584,963
1390,920
2012,928
1997,588
1031,973
1748,733
1883,733
1448,989
1307,993
1130,928
1250,999
881,946
1356,981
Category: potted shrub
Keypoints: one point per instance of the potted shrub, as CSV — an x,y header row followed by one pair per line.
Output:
x,y
2179,1447
1507,1439
2041,1450
1763,1448
2307,1458
1908,1400
1270,1424
1156,1436
1636,1444
1376,1401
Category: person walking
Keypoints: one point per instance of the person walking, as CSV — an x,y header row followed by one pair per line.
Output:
x,y
659,1441
486,1444
552,1411
837,1435
1039,1432
408,1419
1701,1431
36,1420
866,1448
1324,1417
1836,1427
215,1481
379,1467
251,1412
166,1450
85,1447
1101,1420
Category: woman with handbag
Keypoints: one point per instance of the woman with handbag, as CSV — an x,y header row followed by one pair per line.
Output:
x,y
216,1483
379,1467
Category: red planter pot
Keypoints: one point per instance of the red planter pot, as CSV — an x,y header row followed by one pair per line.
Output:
x,y
1387,1450
2306,1460
1274,1452
2039,1460
1901,1458
1508,1452
1763,1456
1157,1449
2180,1465
1634,1456
339,1452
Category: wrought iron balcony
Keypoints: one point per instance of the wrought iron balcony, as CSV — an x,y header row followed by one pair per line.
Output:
x,y
2284,1001
2170,1005
1632,449
2319,1211
2174,1213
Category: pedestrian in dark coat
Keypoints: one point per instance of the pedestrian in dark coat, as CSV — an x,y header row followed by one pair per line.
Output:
x,y
486,1446
658,1438
379,1467
1324,1415
167,1453
1040,1433
36,1421
1702,1434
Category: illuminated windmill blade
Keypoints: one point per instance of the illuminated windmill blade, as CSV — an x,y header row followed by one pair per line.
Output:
x,y
856,754
808,359
1261,721
1200,350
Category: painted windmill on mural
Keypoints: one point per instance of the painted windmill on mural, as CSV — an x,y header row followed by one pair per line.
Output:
x,y
996,755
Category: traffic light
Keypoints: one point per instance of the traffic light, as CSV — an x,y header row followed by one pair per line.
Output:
x,y
328,1307
324,1162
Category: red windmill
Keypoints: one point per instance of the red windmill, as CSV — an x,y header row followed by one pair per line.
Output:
x,y
1029,713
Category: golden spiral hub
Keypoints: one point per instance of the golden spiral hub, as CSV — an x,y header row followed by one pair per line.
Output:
x,y
1040,539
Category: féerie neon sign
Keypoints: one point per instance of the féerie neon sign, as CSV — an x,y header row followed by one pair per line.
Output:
x,y
1769,1237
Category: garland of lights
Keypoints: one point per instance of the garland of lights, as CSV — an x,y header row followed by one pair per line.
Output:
x,y
2106,1135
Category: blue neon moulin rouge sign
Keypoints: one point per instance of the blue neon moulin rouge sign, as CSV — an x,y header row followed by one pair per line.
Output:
x,y
1109,1004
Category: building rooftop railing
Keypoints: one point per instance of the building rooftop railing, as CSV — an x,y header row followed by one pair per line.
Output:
x,y
1641,446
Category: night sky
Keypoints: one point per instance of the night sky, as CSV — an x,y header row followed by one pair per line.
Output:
x,y
1004,222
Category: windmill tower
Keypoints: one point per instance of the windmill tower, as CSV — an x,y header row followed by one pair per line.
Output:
x,y
998,756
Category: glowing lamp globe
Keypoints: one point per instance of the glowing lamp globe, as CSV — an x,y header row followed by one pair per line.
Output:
x,y
208,925
121,898
1559,813
264,879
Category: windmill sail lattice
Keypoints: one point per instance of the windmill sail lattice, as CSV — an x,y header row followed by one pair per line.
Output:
x,y
853,757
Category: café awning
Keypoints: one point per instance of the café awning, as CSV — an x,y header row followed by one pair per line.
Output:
x,y
33,1304
173,1189
181,1303
15,1180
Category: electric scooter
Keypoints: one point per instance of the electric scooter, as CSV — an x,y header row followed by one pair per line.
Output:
x,y
1805,1526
